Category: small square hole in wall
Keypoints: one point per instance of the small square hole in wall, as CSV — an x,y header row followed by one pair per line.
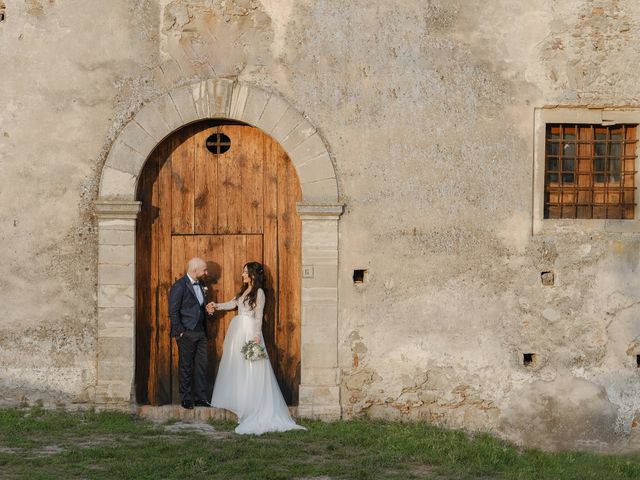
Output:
x,y
528,359
638,361
359,276
547,278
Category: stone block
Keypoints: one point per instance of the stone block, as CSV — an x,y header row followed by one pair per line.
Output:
x,y
311,148
318,396
319,315
273,112
109,371
116,274
324,275
116,349
185,105
238,100
221,90
116,236
318,168
319,243
320,191
165,108
289,121
109,317
319,295
212,98
299,134
138,139
320,376
116,184
117,331
116,254
152,121
116,296
319,255
319,354
327,413
254,106
113,392
326,332
125,158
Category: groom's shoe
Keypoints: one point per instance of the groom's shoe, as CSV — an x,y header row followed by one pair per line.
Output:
x,y
202,403
187,404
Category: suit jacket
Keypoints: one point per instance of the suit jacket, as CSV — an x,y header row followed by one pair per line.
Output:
x,y
184,309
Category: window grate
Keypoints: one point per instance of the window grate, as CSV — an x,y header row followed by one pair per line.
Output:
x,y
218,143
590,171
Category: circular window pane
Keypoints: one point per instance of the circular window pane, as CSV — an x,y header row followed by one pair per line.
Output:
x,y
218,143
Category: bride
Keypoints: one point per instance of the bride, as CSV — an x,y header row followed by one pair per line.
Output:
x,y
249,388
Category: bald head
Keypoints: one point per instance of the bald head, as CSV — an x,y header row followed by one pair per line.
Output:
x,y
197,268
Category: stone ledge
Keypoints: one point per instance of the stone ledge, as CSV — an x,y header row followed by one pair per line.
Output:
x,y
165,413
124,209
319,211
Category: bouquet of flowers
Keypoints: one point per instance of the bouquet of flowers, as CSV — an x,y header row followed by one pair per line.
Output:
x,y
253,351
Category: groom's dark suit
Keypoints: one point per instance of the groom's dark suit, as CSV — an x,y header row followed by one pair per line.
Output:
x,y
189,327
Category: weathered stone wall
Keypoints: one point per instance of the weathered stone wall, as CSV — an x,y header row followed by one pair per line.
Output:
x,y
427,108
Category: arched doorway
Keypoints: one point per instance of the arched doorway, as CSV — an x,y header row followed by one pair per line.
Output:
x,y
227,192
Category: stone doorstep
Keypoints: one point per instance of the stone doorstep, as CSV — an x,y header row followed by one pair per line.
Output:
x,y
165,413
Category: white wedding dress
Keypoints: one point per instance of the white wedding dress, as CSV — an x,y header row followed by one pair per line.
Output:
x,y
249,388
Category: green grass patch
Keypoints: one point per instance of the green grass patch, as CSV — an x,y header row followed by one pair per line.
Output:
x,y
39,444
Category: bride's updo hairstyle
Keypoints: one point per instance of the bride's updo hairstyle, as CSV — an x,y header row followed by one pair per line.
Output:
x,y
256,274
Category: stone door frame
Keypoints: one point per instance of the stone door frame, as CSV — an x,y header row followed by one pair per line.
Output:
x,y
320,210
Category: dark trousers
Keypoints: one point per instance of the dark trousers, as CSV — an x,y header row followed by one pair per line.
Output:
x,y
192,362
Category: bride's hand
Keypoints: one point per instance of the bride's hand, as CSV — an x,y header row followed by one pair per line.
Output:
x,y
256,339
211,307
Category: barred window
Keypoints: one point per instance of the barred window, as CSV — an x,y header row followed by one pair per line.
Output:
x,y
589,171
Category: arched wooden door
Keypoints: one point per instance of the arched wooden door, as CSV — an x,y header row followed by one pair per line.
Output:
x,y
229,207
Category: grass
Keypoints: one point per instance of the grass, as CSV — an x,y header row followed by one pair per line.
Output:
x,y
37,444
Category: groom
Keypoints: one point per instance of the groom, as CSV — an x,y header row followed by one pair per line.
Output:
x,y
188,311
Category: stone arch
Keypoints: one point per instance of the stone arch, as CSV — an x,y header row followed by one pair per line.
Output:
x,y
117,209
219,98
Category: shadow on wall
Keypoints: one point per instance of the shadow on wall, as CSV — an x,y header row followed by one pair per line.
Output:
x,y
567,413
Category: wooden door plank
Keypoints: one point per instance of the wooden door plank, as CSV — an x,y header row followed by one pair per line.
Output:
x,y
270,245
163,240
183,182
206,179
287,329
229,288
250,156
253,248
178,254
229,187
210,248
146,261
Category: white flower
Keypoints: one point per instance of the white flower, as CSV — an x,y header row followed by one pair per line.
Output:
x,y
253,351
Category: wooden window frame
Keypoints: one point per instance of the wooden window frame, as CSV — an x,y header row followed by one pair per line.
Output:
x,y
590,171
581,117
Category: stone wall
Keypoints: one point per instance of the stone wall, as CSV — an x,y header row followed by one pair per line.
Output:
x,y
427,109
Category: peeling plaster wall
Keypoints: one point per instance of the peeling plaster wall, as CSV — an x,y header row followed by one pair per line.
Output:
x,y
427,109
